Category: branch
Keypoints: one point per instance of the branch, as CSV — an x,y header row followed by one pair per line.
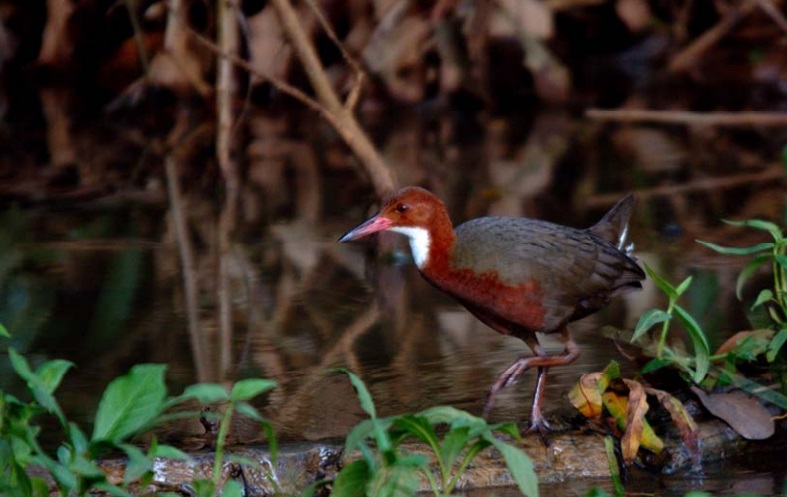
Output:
x,y
345,122
689,118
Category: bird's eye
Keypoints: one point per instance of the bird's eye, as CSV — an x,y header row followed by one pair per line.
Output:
x,y
402,208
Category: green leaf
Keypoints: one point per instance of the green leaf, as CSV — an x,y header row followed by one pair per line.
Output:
x,y
647,321
760,247
419,427
519,465
776,345
700,341
130,403
352,480
65,478
39,389
249,411
455,418
273,444
663,285
4,331
398,480
763,297
364,397
206,393
365,429
112,489
138,463
759,224
750,268
51,373
78,438
683,286
781,259
774,397
165,451
510,428
454,442
250,388
232,489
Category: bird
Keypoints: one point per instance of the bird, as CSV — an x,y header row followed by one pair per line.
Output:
x,y
519,276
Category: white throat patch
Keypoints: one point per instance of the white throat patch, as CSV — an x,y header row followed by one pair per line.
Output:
x,y
419,243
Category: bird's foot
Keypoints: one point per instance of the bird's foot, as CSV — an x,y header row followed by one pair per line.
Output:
x,y
540,426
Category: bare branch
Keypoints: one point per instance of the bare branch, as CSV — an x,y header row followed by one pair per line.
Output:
x,y
747,118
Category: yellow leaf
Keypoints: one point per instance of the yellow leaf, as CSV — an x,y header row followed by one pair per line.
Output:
x,y
618,406
585,395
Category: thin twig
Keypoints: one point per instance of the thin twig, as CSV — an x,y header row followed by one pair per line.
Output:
x,y
746,118
770,9
280,84
197,339
345,123
771,174
688,57
355,91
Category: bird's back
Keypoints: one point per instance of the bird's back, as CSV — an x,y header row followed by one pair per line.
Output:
x,y
546,274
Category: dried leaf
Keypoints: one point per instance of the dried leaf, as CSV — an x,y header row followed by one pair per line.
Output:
x,y
741,411
586,396
687,427
617,406
635,420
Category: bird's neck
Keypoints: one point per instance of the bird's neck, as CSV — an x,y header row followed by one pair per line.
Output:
x,y
431,246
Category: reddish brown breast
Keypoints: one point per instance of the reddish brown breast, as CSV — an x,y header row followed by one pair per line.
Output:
x,y
530,275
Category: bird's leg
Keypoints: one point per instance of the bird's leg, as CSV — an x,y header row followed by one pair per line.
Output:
x,y
543,362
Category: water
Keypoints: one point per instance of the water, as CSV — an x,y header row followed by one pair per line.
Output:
x,y
94,275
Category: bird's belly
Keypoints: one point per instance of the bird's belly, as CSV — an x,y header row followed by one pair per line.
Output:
x,y
517,306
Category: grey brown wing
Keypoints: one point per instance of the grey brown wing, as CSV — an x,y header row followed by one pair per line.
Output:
x,y
578,271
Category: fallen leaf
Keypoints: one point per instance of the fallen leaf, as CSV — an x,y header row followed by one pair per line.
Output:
x,y
586,396
741,411
617,406
686,425
635,420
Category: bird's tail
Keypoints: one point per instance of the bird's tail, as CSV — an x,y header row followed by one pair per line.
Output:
x,y
614,226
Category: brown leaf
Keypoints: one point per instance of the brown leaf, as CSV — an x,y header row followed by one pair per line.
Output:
x,y
741,411
687,428
617,406
586,396
635,418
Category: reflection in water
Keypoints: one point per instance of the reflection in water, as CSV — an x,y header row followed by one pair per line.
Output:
x,y
103,284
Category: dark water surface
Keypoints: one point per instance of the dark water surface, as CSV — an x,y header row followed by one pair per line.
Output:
x,y
97,278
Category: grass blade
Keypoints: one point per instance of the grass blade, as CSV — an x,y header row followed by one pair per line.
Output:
x,y
750,268
647,321
664,285
760,247
776,345
700,341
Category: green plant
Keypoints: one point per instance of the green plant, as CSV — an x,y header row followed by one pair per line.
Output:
x,y
744,347
131,404
697,365
773,300
387,469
